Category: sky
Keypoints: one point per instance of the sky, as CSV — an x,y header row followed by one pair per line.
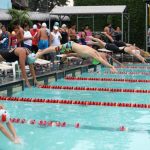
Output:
x,y
70,3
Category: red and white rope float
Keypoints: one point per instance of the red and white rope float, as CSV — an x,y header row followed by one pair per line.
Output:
x,y
106,79
76,102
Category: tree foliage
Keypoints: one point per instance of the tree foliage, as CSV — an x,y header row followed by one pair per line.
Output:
x,y
136,9
20,16
45,5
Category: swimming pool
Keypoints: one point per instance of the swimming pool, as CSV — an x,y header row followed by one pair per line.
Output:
x,y
99,126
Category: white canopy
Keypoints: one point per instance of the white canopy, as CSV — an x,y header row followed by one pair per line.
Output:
x,y
37,16
92,10
114,9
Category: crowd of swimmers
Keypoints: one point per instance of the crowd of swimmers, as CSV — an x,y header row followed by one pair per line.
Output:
x,y
63,41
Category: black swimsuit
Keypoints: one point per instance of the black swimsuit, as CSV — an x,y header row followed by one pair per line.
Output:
x,y
10,56
119,43
114,48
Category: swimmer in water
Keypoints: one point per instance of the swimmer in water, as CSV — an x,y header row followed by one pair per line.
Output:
x,y
11,134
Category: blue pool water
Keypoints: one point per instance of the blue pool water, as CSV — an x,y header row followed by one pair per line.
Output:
x,y
99,126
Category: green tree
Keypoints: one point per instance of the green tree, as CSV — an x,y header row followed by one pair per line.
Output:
x,y
45,5
20,16
136,9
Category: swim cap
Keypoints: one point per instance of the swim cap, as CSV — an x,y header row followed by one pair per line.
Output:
x,y
63,26
31,58
34,26
4,116
56,24
55,27
95,62
44,24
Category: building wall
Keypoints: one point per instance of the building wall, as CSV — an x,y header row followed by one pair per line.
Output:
x,y
5,4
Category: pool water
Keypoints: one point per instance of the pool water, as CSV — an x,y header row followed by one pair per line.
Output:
x,y
99,126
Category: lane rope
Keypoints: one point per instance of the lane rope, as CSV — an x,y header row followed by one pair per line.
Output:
x,y
75,102
129,73
44,123
99,89
133,67
106,79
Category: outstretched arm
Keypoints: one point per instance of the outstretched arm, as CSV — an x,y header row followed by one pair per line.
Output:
x,y
99,58
100,42
6,133
116,61
134,53
12,129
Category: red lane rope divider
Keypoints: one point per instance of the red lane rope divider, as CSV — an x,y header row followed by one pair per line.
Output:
x,y
130,73
106,79
134,67
44,123
94,89
76,102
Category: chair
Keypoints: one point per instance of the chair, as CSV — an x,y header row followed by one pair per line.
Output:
x,y
14,66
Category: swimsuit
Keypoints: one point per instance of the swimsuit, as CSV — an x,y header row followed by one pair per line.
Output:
x,y
114,48
9,56
119,43
43,44
66,48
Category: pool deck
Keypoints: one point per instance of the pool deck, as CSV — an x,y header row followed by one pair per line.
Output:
x,y
9,86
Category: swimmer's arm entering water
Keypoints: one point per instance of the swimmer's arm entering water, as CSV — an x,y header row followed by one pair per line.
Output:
x,y
6,133
116,61
11,128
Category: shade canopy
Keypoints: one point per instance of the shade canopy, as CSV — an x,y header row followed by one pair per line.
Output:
x,y
35,16
115,9
93,10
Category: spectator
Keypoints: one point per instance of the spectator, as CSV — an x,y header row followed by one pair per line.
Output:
x,y
64,34
109,29
34,33
13,40
43,35
55,41
88,32
0,28
39,25
5,38
56,36
19,34
27,37
83,37
117,34
56,24
72,33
